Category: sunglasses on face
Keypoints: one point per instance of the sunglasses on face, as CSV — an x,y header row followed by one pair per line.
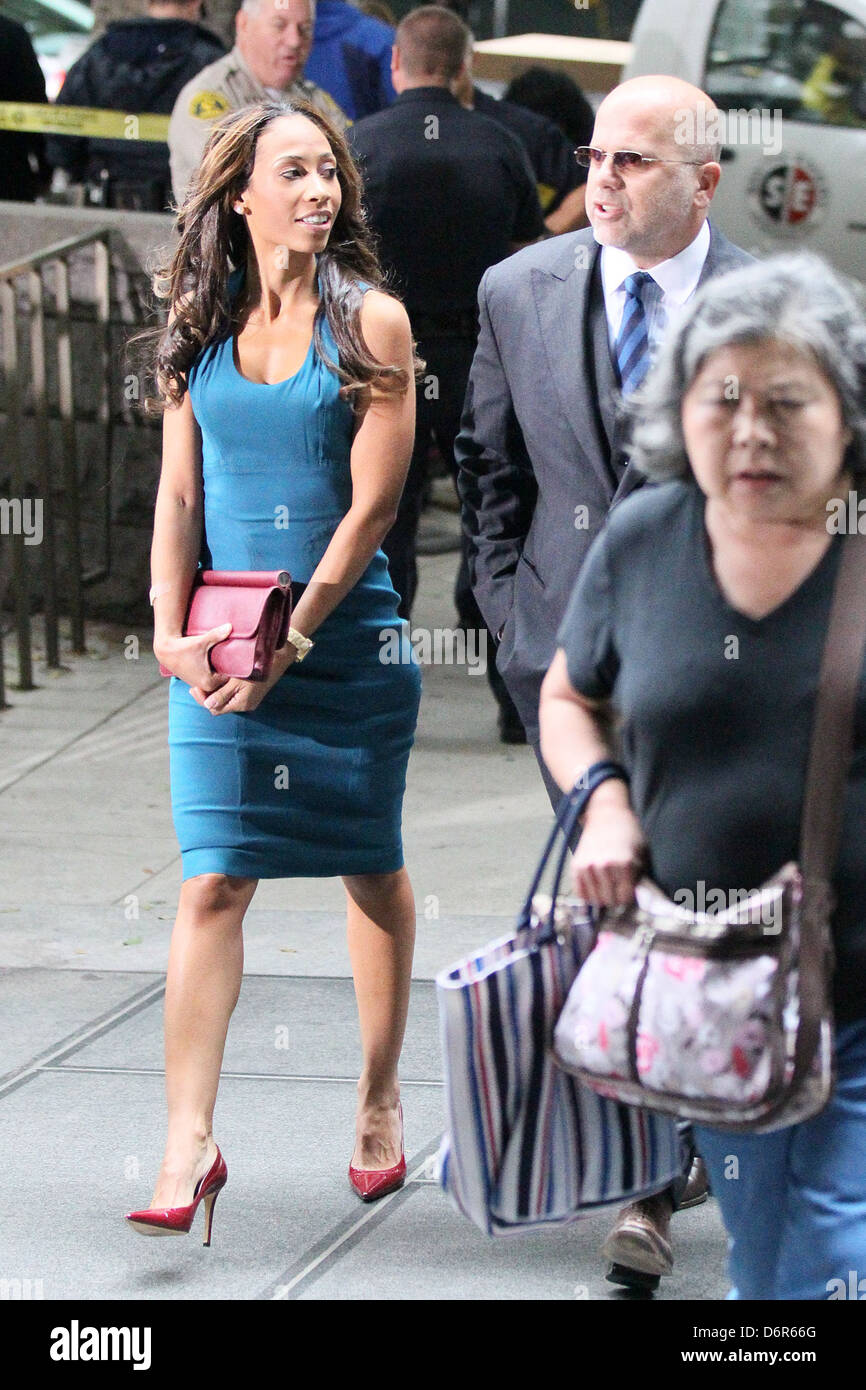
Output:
x,y
623,159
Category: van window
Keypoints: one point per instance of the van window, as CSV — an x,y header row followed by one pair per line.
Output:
x,y
803,57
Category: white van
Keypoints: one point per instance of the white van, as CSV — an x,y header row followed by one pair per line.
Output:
x,y
790,78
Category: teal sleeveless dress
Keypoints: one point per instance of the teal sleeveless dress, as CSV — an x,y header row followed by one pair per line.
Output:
x,y
311,783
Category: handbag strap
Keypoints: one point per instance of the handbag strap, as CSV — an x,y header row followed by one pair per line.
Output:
x,y
833,728
823,804
569,811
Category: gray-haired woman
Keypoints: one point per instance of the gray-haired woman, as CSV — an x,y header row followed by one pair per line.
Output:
x,y
699,619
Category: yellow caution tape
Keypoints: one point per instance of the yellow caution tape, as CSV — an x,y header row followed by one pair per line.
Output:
x,y
82,120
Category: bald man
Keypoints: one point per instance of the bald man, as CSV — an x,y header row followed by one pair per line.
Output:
x,y
567,328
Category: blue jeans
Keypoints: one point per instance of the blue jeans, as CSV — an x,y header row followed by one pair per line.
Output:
x,y
794,1202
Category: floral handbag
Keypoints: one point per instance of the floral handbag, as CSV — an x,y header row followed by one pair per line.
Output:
x,y
726,1019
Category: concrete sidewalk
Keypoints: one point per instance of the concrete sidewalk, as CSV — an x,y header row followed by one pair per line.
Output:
x,y
89,878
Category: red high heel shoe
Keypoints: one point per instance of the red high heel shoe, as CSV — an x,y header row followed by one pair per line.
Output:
x,y
371,1183
176,1221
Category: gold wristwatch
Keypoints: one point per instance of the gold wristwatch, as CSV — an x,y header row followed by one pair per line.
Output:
x,y
300,643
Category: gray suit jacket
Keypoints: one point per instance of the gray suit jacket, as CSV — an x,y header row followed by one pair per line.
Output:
x,y
539,454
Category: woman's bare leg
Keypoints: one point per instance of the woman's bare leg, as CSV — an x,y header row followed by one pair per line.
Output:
x,y
205,966
381,935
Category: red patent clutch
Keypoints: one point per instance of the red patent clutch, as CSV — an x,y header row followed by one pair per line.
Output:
x,y
257,603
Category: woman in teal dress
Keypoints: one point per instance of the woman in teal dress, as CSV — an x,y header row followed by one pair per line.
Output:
x,y
288,380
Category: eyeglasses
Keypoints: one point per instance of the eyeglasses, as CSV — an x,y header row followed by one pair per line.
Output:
x,y
623,159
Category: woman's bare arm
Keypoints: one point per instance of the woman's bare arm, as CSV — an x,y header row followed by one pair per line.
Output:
x,y
572,727
612,849
177,533
381,452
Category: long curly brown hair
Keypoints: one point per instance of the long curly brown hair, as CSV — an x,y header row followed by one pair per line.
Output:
x,y
214,239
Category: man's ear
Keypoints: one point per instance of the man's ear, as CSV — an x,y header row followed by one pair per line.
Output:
x,y
708,181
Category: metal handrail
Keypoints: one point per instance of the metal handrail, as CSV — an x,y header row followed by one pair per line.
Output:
x,y
57,255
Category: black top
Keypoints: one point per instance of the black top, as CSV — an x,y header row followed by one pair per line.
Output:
x,y
446,190
138,65
22,160
716,709
551,154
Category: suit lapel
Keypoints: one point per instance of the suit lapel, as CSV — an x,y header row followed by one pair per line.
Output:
x,y
722,255
710,266
606,383
562,300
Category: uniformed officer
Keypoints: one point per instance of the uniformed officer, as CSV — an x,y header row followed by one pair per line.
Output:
x,y
560,180
272,44
448,192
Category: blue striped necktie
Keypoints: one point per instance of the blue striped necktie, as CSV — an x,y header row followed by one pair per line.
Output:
x,y
632,344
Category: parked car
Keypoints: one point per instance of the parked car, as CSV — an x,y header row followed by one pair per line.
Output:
x,y
60,30
790,76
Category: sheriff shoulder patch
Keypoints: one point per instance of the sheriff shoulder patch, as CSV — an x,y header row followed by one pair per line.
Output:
x,y
205,106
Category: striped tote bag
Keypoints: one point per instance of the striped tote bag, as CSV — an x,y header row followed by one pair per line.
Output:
x,y
527,1145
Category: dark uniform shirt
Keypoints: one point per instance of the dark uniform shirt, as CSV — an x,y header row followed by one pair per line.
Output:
x,y
551,154
447,191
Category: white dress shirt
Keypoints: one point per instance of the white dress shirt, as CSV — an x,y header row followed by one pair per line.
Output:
x,y
675,281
